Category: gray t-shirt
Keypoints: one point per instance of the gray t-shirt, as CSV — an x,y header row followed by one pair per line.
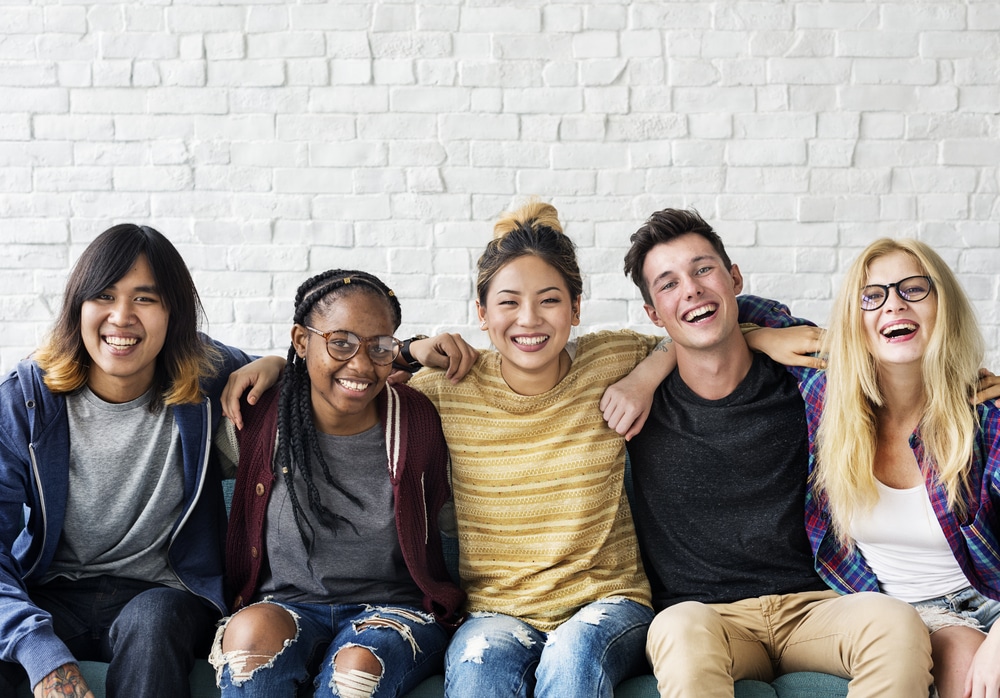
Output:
x,y
346,566
126,491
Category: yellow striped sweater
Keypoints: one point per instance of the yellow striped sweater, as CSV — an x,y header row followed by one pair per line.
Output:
x,y
544,524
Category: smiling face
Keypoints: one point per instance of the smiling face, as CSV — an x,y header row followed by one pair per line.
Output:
x,y
529,313
343,392
693,294
899,331
123,330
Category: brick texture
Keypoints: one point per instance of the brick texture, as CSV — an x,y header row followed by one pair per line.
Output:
x,y
271,139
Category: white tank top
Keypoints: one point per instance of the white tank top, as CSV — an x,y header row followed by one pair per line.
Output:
x,y
902,540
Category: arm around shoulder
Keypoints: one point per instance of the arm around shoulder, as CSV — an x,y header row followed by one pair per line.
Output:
x,y
626,404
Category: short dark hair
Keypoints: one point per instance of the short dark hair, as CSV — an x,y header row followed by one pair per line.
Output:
x,y
665,226
184,359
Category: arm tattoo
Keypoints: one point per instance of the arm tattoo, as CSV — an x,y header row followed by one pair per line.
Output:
x,y
664,344
64,682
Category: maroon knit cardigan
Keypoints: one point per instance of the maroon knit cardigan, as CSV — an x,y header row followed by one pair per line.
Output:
x,y
418,469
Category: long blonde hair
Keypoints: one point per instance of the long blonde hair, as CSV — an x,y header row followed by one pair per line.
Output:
x,y
847,433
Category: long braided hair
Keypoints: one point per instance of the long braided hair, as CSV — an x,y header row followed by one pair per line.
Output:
x,y
298,444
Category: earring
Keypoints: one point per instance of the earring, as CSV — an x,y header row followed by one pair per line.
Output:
x,y
482,325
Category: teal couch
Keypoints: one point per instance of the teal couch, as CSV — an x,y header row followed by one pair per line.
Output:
x,y
797,685
801,685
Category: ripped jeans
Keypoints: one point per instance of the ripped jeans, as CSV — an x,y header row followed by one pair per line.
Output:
x,y
407,642
497,655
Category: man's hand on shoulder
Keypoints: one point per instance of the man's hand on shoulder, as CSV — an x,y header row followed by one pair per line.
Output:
x,y
64,682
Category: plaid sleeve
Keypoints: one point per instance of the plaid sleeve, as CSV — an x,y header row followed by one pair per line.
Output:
x,y
981,530
764,312
767,313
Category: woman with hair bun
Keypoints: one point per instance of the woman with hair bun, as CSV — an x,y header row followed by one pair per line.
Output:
x,y
558,599
334,550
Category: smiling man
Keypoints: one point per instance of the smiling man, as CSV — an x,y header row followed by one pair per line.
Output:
x,y
720,473
111,513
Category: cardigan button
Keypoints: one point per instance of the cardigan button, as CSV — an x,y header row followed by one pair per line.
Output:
x,y
260,489
253,552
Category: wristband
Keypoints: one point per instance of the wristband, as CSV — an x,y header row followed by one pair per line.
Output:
x,y
412,365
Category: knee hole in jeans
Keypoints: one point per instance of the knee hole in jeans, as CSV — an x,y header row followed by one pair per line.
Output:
x,y
251,639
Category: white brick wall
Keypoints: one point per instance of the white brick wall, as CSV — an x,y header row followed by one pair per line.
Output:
x,y
271,140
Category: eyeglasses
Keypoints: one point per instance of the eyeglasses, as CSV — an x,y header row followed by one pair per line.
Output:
x,y
342,345
911,289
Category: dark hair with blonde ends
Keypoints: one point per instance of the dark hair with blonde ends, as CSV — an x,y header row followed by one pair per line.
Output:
x,y
184,359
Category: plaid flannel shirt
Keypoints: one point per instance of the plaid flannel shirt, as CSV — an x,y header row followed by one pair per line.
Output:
x,y
973,538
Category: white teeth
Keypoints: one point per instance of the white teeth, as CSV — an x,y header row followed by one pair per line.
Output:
x,y
530,341
121,341
899,328
700,312
353,385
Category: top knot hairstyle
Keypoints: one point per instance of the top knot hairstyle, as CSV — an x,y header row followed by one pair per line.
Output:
x,y
298,444
532,229
184,359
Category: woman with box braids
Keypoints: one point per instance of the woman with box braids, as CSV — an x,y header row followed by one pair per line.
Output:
x,y
297,439
333,534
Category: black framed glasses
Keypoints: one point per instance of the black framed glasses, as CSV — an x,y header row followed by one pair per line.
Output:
x,y
911,289
342,345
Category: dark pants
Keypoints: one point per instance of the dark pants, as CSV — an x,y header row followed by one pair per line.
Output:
x,y
148,634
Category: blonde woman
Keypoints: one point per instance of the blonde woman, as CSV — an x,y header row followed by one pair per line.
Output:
x,y
906,474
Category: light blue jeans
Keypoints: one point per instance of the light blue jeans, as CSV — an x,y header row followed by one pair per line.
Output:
x,y
494,655
408,643
964,607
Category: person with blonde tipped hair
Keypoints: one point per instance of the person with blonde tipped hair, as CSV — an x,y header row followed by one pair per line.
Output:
x,y
112,518
906,471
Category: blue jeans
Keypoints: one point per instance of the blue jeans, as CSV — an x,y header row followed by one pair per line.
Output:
x,y
407,642
964,607
497,655
147,633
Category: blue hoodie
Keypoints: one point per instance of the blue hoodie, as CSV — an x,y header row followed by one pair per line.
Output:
x,y
34,477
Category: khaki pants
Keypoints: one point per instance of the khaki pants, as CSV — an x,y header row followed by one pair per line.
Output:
x,y
878,642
